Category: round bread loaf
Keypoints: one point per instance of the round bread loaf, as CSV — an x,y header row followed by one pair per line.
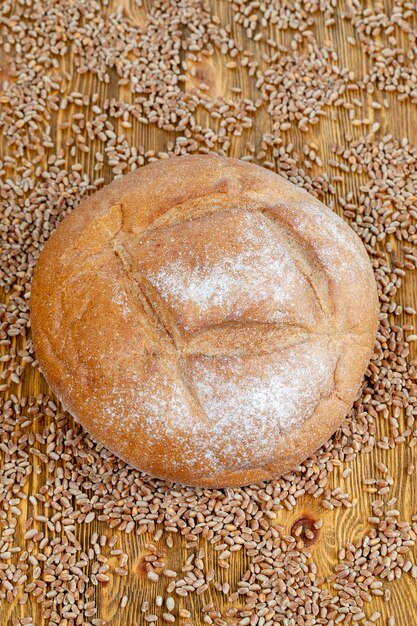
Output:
x,y
205,319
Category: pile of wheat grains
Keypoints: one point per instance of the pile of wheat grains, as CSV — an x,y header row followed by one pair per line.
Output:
x,y
306,89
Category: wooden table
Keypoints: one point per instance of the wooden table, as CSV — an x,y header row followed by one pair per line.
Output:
x,y
341,525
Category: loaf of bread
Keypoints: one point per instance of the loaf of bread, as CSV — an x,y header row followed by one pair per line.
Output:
x,y
205,319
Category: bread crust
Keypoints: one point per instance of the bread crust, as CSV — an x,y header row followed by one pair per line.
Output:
x,y
205,319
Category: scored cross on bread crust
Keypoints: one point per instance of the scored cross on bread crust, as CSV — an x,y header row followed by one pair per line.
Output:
x,y
209,321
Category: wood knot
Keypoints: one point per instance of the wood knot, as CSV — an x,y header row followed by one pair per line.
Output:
x,y
141,567
202,76
304,528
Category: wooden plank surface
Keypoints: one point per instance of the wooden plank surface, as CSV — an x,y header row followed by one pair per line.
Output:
x,y
340,525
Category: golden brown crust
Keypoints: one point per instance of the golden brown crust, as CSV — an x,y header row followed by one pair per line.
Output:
x,y
205,319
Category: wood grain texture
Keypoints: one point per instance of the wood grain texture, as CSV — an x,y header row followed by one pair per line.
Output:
x,y
341,525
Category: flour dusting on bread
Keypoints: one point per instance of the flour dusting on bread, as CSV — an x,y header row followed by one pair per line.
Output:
x,y
234,264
